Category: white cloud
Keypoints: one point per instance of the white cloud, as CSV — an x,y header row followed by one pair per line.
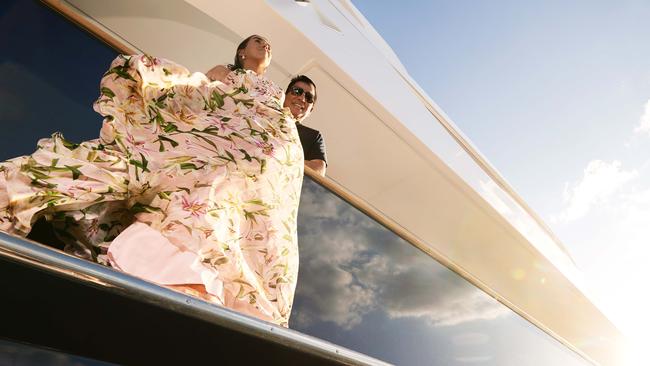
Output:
x,y
618,268
610,242
644,122
601,180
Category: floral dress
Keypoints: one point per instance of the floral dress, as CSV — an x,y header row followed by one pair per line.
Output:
x,y
192,181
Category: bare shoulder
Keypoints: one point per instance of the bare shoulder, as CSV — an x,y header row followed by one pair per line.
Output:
x,y
218,72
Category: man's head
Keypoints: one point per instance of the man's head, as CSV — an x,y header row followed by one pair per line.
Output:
x,y
300,97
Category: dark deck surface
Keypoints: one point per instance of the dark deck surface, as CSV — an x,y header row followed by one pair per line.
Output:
x,y
51,311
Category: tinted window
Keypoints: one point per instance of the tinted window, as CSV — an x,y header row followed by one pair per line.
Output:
x,y
13,353
365,288
49,77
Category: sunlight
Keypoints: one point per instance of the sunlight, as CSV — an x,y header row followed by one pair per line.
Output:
x,y
635,327
627,303
635,353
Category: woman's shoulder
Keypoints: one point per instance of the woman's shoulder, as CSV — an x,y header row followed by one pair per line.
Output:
x,y
219,72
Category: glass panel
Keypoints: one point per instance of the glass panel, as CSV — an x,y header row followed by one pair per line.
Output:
x,y
363,287
49,77
12,353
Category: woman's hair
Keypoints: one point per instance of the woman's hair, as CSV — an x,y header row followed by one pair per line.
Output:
x,y
305,80
239,64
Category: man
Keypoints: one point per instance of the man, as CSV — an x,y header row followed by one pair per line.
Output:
x,y
300,99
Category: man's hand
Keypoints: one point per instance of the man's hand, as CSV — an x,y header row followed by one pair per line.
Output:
x,y
317,165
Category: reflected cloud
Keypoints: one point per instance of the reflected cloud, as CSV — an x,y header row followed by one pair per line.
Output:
x,y
333,296
470,339
356,266
473,359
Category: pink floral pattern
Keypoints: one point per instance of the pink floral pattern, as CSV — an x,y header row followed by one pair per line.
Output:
x,y
214,168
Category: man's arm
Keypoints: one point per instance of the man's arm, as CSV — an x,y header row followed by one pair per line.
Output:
x,y
317,165
314,149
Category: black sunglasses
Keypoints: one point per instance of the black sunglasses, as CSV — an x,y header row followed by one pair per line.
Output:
x,y
298,91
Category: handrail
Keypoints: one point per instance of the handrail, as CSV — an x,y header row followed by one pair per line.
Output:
x,y
91,274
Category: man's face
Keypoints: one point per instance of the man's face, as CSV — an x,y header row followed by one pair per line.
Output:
x,y
297,100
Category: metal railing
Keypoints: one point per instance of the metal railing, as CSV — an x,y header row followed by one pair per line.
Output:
x,y
61,264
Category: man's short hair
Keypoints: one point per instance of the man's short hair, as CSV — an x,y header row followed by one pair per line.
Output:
x,y
305,80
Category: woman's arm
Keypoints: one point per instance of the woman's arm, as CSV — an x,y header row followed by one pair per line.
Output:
x,y
218,72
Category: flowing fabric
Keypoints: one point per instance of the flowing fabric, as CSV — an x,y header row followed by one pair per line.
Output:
x,y
191,182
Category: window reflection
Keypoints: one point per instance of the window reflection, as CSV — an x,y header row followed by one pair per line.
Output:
x,y
363,287
12,353
49,77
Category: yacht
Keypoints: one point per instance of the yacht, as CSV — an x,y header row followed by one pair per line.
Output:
x,y
414,250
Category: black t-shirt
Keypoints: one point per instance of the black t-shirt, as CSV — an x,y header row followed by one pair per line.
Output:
x,y
312,142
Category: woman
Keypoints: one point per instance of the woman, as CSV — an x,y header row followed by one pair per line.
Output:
x,y
193,184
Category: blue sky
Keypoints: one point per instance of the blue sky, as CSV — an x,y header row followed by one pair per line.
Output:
x,y
554,94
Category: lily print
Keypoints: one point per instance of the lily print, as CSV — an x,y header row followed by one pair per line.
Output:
x,y
207,172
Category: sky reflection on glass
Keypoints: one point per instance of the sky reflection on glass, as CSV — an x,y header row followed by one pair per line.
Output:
x,y
363,287
40,91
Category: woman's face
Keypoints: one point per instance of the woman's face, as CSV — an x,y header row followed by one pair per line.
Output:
x,y
258,49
